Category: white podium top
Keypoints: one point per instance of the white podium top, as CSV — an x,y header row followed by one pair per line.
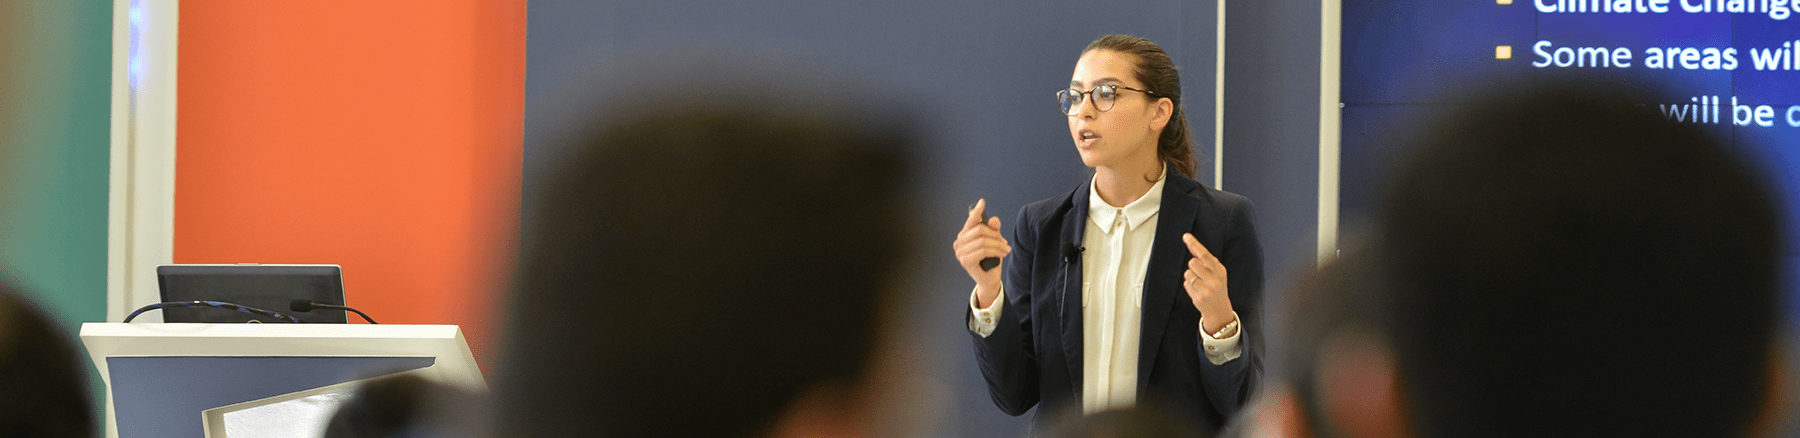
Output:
x,y
455,363
156,373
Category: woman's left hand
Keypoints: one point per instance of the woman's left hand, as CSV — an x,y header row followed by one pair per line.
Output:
x,y
1205,283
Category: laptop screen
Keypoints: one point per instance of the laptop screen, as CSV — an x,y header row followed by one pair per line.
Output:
x,y
267,287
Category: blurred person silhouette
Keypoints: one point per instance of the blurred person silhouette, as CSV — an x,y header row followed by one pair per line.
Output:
x,y
402,405
1557,262
713,263
43,381
1143,420
1334,335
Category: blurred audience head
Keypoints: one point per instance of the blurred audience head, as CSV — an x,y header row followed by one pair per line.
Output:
x,y
711,261
43,381
1555,262
1339,372
403,405
1146,420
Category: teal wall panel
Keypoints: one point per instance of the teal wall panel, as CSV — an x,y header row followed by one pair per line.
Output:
x,y
55,70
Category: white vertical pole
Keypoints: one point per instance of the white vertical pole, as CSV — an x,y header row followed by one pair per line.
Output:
x,y
140,206
1330,113
141,191
1219,103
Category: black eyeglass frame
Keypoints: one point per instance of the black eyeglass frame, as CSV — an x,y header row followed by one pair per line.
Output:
x,y
1081,97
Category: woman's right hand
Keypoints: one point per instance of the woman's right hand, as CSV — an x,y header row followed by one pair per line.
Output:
x,y
979,241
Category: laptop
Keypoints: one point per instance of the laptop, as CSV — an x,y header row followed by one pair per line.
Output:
x,y
267,287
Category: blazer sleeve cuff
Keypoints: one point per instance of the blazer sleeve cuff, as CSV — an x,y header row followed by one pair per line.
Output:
x,y
982,321
1220,351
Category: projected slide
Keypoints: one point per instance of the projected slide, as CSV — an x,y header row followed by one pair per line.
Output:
x,y
1727,65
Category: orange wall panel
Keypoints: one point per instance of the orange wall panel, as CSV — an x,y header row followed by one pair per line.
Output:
x,y
381,136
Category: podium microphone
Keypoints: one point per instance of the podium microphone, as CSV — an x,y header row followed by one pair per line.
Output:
x,y
306,305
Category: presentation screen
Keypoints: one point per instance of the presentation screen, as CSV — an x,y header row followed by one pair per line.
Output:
x,y
1726,65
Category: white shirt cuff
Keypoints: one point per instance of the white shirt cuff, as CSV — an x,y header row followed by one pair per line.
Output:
x,y
1220,351
982,321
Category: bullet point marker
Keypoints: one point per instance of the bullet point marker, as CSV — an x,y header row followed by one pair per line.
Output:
x,y
1503,52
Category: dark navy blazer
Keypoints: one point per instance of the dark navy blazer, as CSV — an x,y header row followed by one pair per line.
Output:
x,y
1033,357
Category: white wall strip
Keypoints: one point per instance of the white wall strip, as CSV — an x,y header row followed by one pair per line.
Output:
x,y
1219,103
141,190
1330,112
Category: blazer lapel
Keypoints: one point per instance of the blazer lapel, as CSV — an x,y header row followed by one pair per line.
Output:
x,y
1069,297
1168,261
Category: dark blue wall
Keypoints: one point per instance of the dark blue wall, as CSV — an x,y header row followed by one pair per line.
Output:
x,y
1272,137
985,73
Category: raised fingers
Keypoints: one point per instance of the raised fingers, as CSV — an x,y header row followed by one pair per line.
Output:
x,y
976,212
1194,247
1194,279
987,244
1200,266
978,242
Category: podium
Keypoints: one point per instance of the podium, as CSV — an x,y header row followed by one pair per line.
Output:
x,y
189,380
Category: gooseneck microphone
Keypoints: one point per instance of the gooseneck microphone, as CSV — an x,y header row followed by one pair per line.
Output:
x,y
306,305
215,304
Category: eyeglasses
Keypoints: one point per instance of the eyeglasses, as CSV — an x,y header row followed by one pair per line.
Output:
x,y
1104,97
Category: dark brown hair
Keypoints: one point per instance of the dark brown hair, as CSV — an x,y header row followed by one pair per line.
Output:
x,y
1158,73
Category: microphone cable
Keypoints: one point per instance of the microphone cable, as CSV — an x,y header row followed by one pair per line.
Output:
x,y
305,305
1070,253
214,304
